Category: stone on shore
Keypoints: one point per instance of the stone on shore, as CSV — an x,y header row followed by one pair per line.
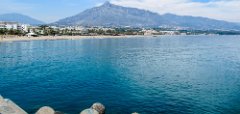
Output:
x,y
89,111
96,108
9,107
58,112
1,99
45,110
99,107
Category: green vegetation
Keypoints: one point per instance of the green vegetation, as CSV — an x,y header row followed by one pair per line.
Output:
x,y
11,32
45,30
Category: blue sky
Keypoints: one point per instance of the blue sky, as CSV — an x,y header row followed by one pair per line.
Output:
x,y
200,0
47,10
52,10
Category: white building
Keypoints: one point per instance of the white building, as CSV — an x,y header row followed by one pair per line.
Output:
x,y
14,26
9,25
169,32
23,27
149,32
2,25
31,34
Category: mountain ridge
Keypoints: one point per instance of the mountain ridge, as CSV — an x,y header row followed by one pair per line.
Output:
x,y
110,14
20,18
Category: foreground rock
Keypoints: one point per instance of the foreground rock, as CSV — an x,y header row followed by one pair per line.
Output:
x,y
45,110
99,107
9,107
96,108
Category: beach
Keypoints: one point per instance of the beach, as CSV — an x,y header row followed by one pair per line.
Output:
x,y
25,38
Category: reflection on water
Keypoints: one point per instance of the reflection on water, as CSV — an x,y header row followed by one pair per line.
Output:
x,y
175,74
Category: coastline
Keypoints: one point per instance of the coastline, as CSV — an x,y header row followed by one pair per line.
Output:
x,y
25,38
12,38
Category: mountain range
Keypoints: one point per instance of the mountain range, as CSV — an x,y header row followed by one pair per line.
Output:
x,y
16,17
111,15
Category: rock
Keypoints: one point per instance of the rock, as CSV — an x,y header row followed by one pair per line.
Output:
x,y
9,107
99,107
1,99
58,112
96,108
45,110
89,111
7,110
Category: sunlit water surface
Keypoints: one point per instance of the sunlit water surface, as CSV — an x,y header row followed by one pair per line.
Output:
x,y
168,74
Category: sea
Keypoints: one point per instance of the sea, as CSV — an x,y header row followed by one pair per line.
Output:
x,y
152,75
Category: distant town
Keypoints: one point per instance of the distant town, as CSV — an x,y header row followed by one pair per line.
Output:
x,y
18,29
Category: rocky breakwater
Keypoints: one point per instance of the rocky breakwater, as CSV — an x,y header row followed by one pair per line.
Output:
x,y
9,107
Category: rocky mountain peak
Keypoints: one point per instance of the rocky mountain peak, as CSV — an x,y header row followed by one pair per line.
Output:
x,y
107,4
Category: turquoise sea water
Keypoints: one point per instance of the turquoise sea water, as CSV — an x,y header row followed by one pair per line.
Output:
x,y
169,74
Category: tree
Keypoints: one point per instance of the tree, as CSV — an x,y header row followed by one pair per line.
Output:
x,y
3,31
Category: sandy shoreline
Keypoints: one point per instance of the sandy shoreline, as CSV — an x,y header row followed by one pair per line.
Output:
x,y
24,38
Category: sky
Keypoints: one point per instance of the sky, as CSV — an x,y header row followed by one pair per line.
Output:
x,y
53,10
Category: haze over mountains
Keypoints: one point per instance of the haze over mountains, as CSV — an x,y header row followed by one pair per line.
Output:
x,y
15,17
112,15
117,16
